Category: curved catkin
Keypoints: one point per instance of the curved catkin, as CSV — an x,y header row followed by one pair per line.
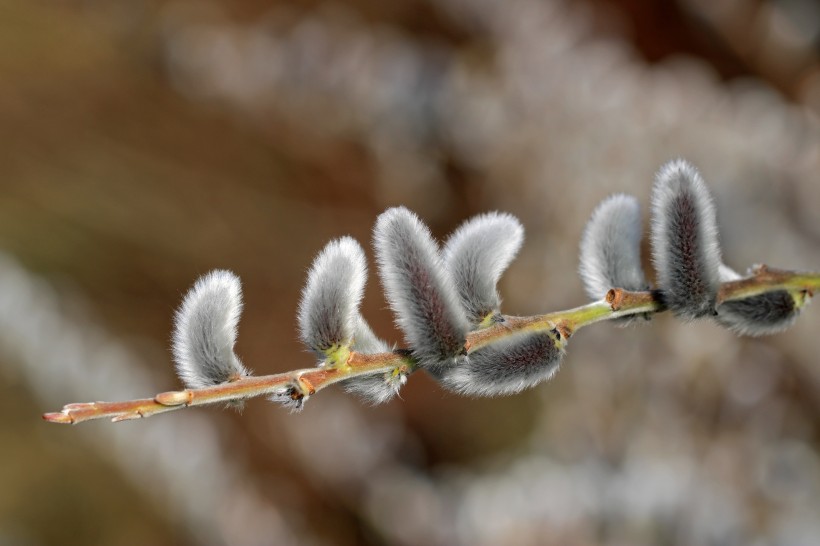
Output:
x,y
759,315
476,255
509,366
610,255
205,331
329,307
685,248
419,290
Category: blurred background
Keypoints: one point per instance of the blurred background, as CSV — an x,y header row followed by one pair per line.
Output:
x,y
145,143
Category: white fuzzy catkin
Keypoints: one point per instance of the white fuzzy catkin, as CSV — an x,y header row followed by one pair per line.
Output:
x,y
508,366
205,331
329,307
760,315
329,318
376,388
685,248
476,255
420,291
365,341
610,255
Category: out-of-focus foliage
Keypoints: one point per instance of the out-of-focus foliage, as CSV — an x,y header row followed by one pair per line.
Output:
x,y
146,143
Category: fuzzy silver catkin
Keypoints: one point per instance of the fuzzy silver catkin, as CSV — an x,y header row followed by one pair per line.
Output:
x,y
380,387
760,315
685,248
476,255
329,307
329,318
508,366
366,341
205,331
610,255
419,290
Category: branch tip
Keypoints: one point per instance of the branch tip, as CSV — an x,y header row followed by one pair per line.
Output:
x,y
79,406
59,417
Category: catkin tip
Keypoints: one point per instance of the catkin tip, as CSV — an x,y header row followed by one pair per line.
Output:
x,y
205,331
610,248
476,255
329,307
685,247
420,291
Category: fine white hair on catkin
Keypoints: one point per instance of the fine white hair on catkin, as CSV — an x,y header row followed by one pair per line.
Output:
x,y
476,255
727,274
329,317
420,291
329,307
366,341
205,331
610,254
376,388
685,247
508,366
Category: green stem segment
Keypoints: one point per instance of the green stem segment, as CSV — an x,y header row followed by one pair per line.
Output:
x,y
617,303
765,279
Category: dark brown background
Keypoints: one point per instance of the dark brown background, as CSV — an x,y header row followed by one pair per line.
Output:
x,y
145,143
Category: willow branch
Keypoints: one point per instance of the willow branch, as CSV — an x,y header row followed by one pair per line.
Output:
x,y
617,303
295,384
301,383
